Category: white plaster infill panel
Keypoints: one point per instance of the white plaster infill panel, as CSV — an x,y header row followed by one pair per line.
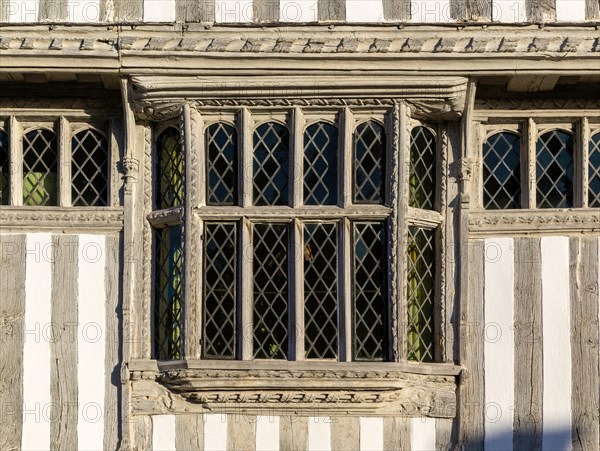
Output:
x,y
267,433
233,11
215,432
509,11
91,344
430,11
319,434
364,11
371,434
163,432
298,11
20,11
422,436
499,343
570,10
159,11
37,401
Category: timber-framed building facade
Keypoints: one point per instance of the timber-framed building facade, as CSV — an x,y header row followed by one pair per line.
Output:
x,y
299,225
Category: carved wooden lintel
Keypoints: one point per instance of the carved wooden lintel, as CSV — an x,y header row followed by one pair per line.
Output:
x,y
53,218
495,223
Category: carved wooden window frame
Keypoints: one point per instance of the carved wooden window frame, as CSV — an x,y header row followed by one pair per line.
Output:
x,y
65,124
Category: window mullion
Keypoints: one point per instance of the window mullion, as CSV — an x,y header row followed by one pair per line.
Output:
x,y
346,158
528,163
246,157
16,161
581,155
245,293
296,296
296,169
345,291
64,158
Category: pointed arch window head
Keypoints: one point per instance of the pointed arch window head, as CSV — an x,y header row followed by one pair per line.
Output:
x,y
369,163
422,169
221,149
501,171
4,169
320,164
89,169
169,169
554,170
40,168
271,164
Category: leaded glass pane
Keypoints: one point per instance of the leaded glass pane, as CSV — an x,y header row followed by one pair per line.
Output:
x,y
89,169
370,291
40,168
168,275
422,169
594,172
4,169
271,160
270,291
369,163
320,291
501,172
219,290
320,164
221,147
169,169
555,170
421,293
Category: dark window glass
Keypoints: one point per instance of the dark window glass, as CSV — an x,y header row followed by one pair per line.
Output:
x,y
221,147
555,170
422,169
421,293
89,169
168,275
169,170
219,290
370,292
4,169
271,161
320,164
270,291
40,168
320,291
501,172
369,167
594,172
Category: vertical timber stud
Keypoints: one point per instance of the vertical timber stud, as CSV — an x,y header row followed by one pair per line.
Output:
x,y
329,10
396,10
132,309
191,128
53,11
296,322
528,173
592,10
64,158
195,10
471,395
582,163
345,184
266,10
296,163
16,163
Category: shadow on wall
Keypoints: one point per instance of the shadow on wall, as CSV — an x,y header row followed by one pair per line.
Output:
x,y
557,439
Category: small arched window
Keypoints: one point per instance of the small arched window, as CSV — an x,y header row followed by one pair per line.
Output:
x,y
501,171
594,172
89,169
40,168
4,169
221,149
169,170
320,164
271,164
369,163
554,169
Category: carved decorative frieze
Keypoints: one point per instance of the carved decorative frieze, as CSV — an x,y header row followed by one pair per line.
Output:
x,y
50,218
574,103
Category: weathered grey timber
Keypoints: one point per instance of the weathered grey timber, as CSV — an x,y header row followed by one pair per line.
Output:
x,y
540,10
121,10
396,434
142,430
53,11
189,432
396,10
293,433
345,433
592,9
265,10
583,288
528,344
195,11
114,338
445,434
479,10
12,335
332,10
63,344
241,432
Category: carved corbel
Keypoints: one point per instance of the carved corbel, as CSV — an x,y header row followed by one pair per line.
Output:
x,y
130,168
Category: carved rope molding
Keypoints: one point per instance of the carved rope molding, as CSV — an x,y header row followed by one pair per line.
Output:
x,y
52,218
534,221
300,391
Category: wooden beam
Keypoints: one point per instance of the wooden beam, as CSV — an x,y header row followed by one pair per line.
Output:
x,y
531,83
